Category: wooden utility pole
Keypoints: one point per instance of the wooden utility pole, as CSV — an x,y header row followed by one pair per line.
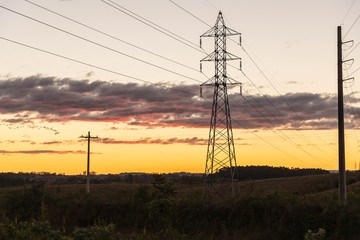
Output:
x,y
342,173
88,161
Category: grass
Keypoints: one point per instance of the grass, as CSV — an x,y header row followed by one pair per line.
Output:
x,y
279,208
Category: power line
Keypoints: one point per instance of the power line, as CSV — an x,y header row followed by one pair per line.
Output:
x,y
353,120
93,66
189,13
269,143
286,137
267,119
244,50
75,60
356,104
137,15
290,140
297,130
353,72
296,145
264,117
98,44
351,26
250,59
216,8
137,79
352,49
261,71
197,18
111,36
250,79
158,28
351,6
279,94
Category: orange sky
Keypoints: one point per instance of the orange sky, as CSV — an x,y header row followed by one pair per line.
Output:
x,y
138,88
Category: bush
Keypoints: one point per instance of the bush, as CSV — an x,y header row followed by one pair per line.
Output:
x,y
95,233
319,235
29,230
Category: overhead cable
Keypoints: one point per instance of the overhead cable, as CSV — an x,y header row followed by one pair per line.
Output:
x,y
98,44
111,36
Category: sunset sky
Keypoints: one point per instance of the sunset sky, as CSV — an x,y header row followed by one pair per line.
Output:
x,y
88,66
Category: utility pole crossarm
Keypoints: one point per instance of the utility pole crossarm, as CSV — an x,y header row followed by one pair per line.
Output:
x,y
212,57
88,137
213,32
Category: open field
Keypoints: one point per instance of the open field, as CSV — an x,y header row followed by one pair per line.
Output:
x,y
281,208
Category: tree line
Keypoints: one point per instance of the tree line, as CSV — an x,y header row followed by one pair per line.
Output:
x,y
242,173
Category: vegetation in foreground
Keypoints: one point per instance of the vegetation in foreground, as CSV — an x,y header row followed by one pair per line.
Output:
x,y
284,208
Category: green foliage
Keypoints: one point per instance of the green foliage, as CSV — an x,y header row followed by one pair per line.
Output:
x,y
165,210
96,232
142,194
161,207
29,230
319,235
26,203
160,212
169,233
164,190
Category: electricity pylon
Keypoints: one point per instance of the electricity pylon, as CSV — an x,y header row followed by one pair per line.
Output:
x,y
88,162
220,158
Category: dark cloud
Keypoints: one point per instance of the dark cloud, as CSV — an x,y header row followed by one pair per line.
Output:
x,y
41,152
60,100
28,141
190,141
52,143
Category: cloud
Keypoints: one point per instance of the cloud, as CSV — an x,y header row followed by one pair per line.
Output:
x,y
190,141
50,99
28,141
41,152
52,143
62,100
145,140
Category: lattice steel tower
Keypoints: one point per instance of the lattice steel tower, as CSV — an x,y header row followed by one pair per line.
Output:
x,y
220,158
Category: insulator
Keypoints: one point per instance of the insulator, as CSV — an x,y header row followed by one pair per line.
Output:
x,y
200,91
200,67
240,65
240,40
240,89
200,43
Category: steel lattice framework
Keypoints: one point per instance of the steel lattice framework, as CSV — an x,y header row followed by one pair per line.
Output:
x,y
220,158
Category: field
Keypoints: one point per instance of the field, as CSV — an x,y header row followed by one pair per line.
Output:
x,y
280,208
